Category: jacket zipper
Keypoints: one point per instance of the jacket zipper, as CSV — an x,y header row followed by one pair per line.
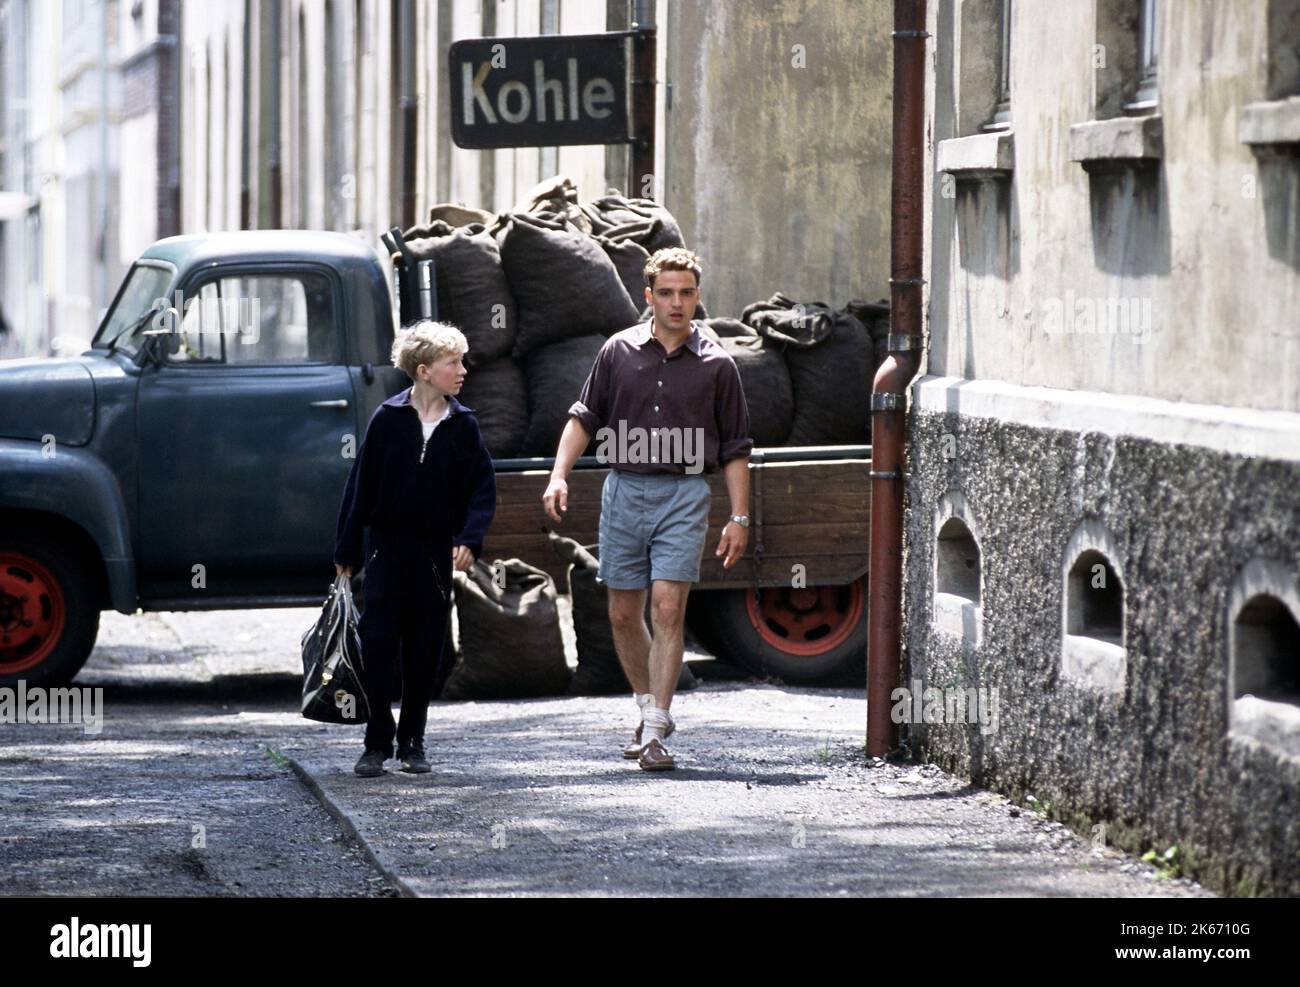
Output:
x,y
424,443
437,578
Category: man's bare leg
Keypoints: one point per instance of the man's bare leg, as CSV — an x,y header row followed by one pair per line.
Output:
x,y
631,637
668,614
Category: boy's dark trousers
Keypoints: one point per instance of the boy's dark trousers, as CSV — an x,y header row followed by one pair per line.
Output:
x,y
403,626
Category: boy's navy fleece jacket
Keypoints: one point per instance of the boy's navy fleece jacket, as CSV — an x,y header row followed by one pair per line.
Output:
x,y
449,497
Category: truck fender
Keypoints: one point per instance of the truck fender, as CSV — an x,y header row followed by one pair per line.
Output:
x,y
75,485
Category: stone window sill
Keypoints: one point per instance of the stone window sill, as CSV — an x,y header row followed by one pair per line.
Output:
x,y
1090,661
1117,143
980,156
1265,125
1275,725
960,617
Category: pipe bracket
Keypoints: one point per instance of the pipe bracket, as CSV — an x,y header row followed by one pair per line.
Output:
x,y
884,475
902,342
888,402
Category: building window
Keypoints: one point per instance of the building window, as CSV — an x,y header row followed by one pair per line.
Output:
x,y
1264,658
1283,49
1095,607
1145,99
1001,119
1093,650
957,572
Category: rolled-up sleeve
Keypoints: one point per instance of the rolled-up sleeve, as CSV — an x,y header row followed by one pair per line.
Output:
x,y
732,415
592,407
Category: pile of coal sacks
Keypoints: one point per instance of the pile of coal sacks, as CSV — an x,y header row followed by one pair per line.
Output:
x,y
538,289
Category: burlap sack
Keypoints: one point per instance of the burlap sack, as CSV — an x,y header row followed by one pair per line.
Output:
x,y
510,643
498,395
555,377
473,294
563,283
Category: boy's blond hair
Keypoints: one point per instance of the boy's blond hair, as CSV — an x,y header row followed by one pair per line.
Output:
x,y
426,342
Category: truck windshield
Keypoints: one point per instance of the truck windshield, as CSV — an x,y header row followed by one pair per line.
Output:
x,y
144,284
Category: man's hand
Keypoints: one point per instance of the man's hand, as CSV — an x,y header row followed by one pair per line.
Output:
x,y
462,558
342,570
732,543
556,499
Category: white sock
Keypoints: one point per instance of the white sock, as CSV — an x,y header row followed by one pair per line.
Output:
x,y
654,723
644,700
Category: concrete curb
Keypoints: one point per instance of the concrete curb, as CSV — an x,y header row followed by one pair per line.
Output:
x,y
373,854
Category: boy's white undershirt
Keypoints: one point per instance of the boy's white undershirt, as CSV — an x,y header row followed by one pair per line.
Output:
x,y
428,427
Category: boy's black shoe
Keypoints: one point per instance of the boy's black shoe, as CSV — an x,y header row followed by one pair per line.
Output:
x,y
371,764
414,761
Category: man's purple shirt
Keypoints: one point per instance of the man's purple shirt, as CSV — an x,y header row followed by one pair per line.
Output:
x,y
636,384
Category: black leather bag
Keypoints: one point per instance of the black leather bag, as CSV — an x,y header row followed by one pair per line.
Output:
x,y
331,662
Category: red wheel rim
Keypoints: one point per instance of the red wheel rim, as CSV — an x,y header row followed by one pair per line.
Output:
x,y
32,613
809,621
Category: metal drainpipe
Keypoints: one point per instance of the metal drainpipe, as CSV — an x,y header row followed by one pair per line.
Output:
x,y
889,392
410,106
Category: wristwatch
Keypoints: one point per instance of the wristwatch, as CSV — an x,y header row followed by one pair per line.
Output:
x,y
740,519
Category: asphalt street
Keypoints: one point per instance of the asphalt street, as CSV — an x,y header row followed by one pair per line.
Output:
x,y
205,780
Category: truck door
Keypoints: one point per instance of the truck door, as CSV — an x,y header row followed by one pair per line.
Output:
x,y
246,436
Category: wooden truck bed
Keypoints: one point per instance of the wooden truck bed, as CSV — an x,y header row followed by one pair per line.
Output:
x,y
813,512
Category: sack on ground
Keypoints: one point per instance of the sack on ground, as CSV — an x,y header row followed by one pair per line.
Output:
x,y
331,661
510,643
599,672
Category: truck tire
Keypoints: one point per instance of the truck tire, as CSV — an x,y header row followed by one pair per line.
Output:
x,y
49,608
810,635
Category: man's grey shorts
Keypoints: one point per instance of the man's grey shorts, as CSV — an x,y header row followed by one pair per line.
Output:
x,y
651,527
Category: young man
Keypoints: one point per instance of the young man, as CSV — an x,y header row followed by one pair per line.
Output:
x,y
423,483
665,403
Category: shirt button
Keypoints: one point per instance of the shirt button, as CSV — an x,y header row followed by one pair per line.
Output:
x,y
663,361
656,407
661,383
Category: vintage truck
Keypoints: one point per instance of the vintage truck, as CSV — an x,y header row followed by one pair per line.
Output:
x,y
194,458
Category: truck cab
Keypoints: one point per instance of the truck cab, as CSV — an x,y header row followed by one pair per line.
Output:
x,y
193,458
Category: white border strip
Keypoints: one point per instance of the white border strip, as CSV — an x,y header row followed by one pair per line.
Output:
x,y
1243,431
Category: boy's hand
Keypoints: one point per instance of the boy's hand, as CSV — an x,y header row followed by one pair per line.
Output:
x,y
342,570
462,558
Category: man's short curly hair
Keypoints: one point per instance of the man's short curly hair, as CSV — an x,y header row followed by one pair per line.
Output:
x,y
426,342
672,259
